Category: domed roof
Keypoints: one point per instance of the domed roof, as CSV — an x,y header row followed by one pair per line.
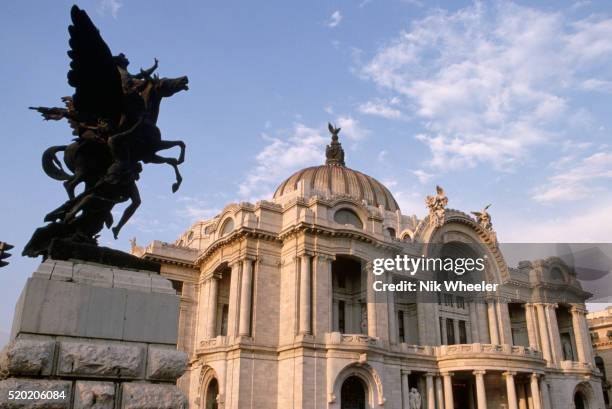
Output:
x,y
335,179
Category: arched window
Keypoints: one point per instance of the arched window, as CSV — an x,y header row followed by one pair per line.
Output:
x,y
390,232
190,235
211,394
347,216
228,227
556,274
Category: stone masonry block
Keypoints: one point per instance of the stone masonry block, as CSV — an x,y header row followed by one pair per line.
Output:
x,y
113,360
137,395
151,318
28,357
44,270
162,285
165,364
93,275
133,280
94,395
48,388
62,271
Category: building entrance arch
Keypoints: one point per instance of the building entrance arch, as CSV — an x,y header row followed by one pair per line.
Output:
x,y
353,393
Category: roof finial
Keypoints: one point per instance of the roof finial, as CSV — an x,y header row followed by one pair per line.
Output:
x,y
334,152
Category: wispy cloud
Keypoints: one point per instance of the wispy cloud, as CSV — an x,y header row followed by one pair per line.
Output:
x,y
334,19
110,6
280,157
382,108
351,127
196,209
578,180
491,83
423,176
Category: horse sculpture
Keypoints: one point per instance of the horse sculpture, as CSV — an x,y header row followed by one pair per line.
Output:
x,y
114,115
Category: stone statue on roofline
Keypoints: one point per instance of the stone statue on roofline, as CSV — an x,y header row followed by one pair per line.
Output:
x,y
437,207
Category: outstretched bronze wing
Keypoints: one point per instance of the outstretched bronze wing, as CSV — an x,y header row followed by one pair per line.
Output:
x,y
93,73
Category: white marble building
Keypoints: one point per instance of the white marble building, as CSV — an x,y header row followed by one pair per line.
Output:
x,y
277,311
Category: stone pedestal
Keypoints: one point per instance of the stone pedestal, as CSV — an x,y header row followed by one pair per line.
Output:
x,y
93,336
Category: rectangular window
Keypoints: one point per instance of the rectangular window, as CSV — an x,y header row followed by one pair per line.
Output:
x,y
400,325
224,315
448,300
450,332
460,302
341,320
178,286
442,340
462,333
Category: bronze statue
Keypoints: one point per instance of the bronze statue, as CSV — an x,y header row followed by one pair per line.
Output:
x,y
113,115
334,152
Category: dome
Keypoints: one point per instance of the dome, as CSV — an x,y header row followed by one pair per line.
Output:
x,y
335,179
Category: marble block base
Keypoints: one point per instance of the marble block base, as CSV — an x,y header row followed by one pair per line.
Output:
x,y
93,336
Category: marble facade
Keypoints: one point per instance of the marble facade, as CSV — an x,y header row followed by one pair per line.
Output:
x,y
277,309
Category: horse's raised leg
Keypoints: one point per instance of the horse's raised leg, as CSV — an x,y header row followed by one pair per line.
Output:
x,y
71,184
172,162
163,145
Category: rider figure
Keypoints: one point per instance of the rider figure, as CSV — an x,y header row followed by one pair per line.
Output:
x,y
118,143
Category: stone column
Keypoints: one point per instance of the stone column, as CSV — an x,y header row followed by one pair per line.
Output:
x,y
405,389
588,347
244,328
439,393
322,295
202,322
233,311
422,321
544,337
555,337
443,334
371,300
531,326
483,326
211,317
393,332
457,339
545,394
535,391
481,394
473,323
448,391
431,393
577,317
305,295
493,330
510,390
505,333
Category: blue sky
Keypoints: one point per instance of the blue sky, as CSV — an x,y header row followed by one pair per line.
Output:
x,y
502,103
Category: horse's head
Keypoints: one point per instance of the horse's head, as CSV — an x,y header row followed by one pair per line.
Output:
x,y
170,86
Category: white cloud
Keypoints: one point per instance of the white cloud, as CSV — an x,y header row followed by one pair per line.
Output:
x,y
382,108
280,157
196,209
595,84
110,6
334,19
423,176
351,128
491,83
580,227
578,180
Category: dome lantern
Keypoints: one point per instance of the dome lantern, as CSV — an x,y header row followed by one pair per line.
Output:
x,y
334,180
